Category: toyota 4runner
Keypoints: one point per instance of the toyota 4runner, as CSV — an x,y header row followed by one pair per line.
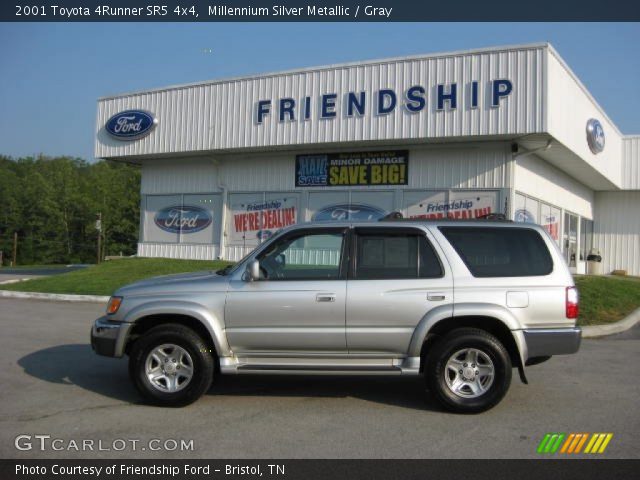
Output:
x,y
460,302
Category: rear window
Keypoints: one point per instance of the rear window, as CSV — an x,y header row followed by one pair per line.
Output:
x,y
500,252
387,256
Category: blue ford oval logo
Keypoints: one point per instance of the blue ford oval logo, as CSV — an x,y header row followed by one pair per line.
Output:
x,y
130,124
183,219
595,135
354,211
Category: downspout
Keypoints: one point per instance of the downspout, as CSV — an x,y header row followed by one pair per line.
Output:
x,y
223,219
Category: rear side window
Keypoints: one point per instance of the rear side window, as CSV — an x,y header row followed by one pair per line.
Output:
x,y
500,252
387,256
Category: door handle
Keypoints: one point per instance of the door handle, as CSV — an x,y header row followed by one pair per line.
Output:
x,y
325,297
436,296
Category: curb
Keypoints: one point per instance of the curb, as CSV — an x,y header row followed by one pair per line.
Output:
x,y
595,331
59,297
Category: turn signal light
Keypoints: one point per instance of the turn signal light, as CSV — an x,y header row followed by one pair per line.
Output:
x,y
572,308
113,305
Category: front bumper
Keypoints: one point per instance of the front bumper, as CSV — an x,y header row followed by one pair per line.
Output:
x,y
545,342
109,338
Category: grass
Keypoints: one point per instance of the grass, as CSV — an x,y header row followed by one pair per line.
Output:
x,y
103,279
606,299
602,299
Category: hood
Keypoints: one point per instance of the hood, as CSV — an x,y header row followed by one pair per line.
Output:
x,y
181,282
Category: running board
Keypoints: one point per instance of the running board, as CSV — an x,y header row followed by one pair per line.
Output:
x,y
319,370
319,366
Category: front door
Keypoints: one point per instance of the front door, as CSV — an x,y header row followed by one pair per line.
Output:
x,y
396,278
298,304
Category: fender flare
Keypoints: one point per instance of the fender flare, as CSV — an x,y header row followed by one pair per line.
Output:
x,y
444,312
213,325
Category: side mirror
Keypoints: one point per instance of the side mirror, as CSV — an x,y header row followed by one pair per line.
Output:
x,y
253,271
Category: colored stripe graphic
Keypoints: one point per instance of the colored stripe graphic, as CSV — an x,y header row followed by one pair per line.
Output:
x,y
598,442
550,443
573,443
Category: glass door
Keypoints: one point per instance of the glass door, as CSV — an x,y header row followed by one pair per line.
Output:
x,y
571,240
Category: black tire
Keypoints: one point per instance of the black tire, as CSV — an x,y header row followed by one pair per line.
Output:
x,y
201,357
445,348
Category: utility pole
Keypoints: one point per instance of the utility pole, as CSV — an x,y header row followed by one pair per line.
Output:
x,y
15,248
99,229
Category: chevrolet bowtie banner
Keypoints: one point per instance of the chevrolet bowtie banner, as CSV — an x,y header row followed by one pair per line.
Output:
x,y
313,11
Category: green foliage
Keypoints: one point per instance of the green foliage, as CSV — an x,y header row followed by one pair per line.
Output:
x,y
103,279
606,299
52,203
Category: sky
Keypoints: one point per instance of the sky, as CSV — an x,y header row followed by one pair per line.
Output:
x,y
51,75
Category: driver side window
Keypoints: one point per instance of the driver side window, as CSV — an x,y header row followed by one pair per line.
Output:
x,y
308,256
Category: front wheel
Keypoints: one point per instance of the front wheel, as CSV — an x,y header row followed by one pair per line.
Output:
x,y
171,365
468,370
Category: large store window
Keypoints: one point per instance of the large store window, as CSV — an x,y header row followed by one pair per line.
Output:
x,y
189,218
586,238
344,205
254,217
531,210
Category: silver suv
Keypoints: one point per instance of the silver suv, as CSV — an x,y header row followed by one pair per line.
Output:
x,y
461,302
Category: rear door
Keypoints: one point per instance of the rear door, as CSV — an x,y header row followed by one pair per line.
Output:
x,y
396,277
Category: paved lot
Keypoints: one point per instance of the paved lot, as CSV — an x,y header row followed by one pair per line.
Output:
x,y
53,384
7,273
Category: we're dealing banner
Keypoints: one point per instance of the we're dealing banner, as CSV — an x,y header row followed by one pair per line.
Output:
x,y
458,205
254,222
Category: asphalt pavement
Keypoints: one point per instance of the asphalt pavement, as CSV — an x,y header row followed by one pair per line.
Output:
x,y
53,384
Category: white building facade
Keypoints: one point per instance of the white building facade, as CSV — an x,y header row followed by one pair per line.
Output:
x,y
508,130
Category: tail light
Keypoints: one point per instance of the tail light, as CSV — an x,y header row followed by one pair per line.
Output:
x,y
571,304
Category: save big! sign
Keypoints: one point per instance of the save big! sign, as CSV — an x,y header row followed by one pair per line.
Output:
x,y
355,168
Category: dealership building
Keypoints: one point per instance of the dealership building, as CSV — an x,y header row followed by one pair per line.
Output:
x,y
512,130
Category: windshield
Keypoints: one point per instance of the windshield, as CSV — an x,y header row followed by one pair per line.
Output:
x,y
229,269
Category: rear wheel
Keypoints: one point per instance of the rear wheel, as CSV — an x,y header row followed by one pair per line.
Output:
x,y
171,365
468,370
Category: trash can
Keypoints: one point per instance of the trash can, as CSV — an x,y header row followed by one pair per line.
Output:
x,y
594,263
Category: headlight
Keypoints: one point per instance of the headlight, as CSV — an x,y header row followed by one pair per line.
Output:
x,y
113,305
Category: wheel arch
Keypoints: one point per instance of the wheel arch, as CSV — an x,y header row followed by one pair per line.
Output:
x,y
489,324
195,317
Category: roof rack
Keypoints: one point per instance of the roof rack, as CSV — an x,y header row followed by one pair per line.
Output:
x,y
397,216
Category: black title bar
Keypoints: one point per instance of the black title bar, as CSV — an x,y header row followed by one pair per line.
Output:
x,y
316,11
547,469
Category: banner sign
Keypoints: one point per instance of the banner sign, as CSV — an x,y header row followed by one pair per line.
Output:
x,y
353,169
183,219
470,205
259,220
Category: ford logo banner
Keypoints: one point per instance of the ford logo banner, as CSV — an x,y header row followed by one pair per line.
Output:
x,y
523,215
352,211
130,124
183,219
